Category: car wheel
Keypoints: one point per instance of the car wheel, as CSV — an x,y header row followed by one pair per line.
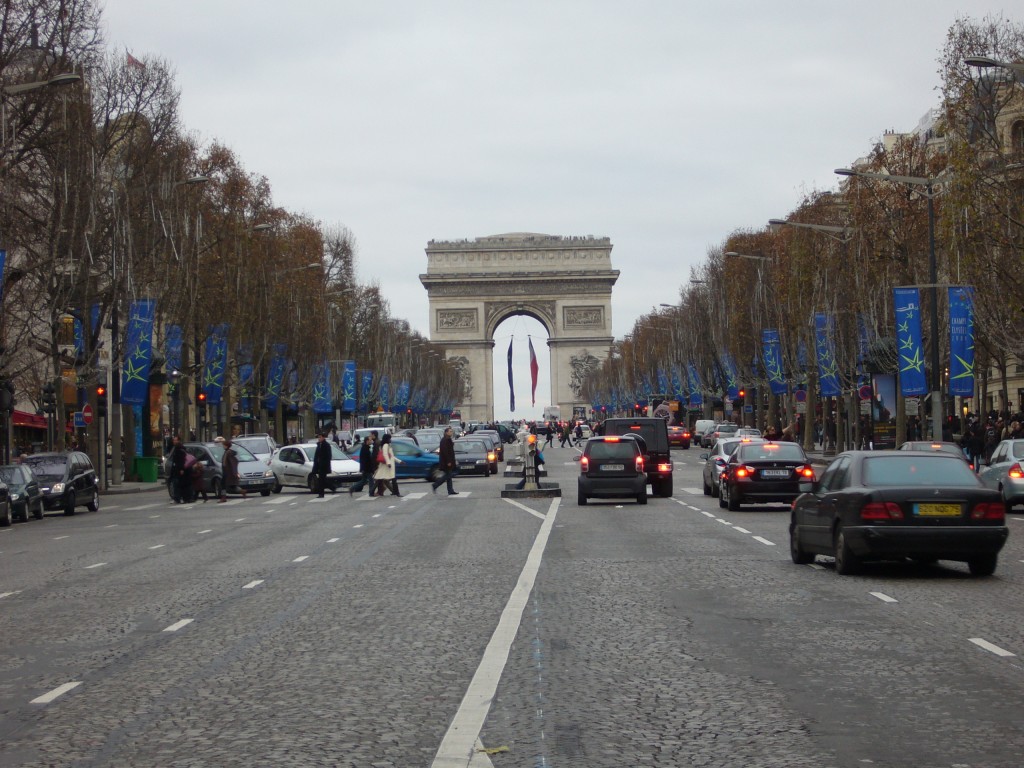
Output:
x,y
5,517
642,498
707,488
277,487
38,514
983,566
581,499
722,493
665,487
715,490
846,562
215,489
795,552
734,499
94,505
22,516
70,503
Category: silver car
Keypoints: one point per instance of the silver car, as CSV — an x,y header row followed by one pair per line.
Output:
x,y
260,446
716,459
293,465
1005,472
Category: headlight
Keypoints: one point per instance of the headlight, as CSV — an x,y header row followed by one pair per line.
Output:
x,y
58,488
15,496
269,473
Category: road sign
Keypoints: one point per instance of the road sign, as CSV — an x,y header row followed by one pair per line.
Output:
x,y
87,414
748,409
79,420
800,395
865,392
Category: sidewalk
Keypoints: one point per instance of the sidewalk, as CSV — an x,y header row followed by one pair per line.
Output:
x,y
128,487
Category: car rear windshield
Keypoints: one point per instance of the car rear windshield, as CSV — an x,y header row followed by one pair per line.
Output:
x,y
935,470
603,449
1018,449
771,452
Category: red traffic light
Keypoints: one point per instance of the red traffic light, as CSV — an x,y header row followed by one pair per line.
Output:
x,y
101,391
202,397
743,393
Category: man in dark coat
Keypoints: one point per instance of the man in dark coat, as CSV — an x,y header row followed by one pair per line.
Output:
x,y
447,462
180,479
367,466
229,466
322,463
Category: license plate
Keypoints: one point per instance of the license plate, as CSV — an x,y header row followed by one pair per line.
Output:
x,y
251,482
612,467
937,510
774,473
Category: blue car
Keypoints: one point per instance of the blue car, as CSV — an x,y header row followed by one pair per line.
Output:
x,y
416,464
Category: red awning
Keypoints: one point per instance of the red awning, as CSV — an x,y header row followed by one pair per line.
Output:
x,y
31,420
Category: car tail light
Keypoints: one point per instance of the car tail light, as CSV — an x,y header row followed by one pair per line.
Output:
x,y
664,467
492,456
744,472
720,461
990,510
881,510
611,439
639,463
584,464
805,472
1016,472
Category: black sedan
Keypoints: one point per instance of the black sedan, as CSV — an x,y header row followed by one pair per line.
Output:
x,y
763,472
886,505
25,496
474,456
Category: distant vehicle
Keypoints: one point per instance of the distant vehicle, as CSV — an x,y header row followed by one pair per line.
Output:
x,y
1005,472
764,472
678,436
612,467
657,452
552,413
293,465
415,463
382,420
890,505
262,446
66,480
474,455
721,429
6,518
927,445
25,496
715,461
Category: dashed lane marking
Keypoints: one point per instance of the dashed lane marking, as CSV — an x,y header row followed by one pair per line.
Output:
x,y
113,525
741,530
253,584
60,690
158,546
816,566
706,513
178,625
94,565
300,558
764,541
981,643
332,541
723,522
58,538
208,530
239,520
280,500
153,517
884,597
8,594
358,525
417,495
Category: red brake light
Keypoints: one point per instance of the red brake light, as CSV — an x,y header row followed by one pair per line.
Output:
x,y
805,472
492,456
584,464
664,467
611,439
1016,472
744,472
881,510
639,463
992,510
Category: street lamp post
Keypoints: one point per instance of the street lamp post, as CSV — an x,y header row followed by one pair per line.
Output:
x,y
756,414
984,62
933,287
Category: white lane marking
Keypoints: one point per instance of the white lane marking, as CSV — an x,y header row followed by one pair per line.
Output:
x,y
300,558
692,491
460,494
208,530
525,508
816,566
990,647
153,517
741,530
178,625
318,500
377,515
58,538
8,594
144,506
358,525
252,584
368,498
706,514
60,690
158,546
114,525
239,519
280,500
764,541
331,541
94,565
464,731
724,522
1017,518
417,495
884,597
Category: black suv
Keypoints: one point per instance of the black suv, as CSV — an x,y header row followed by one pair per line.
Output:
x,y
657,453
611,467
67,480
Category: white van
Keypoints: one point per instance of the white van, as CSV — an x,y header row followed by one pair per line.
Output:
x,y
699,428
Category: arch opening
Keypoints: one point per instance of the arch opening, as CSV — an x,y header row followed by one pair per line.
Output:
x,y
519,330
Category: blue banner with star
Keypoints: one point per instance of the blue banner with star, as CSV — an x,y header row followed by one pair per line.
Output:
x,y
732,376
402,395
138,352
696,398
348,386
365,389
322,388
385,393
828,369
772,346
663,386
214,362
173,340
910,349
961,341
275,376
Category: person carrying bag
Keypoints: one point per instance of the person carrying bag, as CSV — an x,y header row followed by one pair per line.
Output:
x,y
387,463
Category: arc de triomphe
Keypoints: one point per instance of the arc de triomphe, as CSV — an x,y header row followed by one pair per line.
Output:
x,y
564,282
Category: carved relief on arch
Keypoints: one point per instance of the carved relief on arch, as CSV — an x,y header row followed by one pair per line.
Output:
x,y
497,311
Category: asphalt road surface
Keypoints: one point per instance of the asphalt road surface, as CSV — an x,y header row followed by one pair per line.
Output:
x,y
473,631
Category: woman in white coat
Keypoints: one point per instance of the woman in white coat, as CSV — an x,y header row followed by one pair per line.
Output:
x,y
385,474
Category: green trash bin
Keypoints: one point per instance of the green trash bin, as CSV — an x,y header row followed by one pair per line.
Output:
x,y
146,468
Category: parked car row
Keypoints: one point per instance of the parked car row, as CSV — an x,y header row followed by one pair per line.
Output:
x,y
47,481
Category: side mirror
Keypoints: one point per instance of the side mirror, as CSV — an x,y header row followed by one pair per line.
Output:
x,y
705,456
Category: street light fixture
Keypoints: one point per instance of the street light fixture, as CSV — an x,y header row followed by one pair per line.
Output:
x,y
932,286
842,234
984,62
734,255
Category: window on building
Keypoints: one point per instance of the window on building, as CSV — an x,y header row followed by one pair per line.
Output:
x,y
1017,138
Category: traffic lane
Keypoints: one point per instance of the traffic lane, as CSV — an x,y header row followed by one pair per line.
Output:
x,y
345,657
683,643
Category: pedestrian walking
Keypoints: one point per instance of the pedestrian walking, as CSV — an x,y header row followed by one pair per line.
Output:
x,y
367,466
385,474
322,463
447,462
229,465
549,435
578,434
180,481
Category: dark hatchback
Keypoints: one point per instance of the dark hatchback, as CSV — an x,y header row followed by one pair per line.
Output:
x,y
66,480
656,449
25,496
474,456
612,467
888,505
763,472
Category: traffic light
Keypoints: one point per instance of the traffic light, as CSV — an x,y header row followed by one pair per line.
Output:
x,y
49,398
101,402
202,398
743,393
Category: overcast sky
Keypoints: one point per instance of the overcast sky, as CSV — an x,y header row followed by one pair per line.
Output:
x,y
662,125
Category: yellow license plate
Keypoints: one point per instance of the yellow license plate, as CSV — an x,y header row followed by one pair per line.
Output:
x,y
937,510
